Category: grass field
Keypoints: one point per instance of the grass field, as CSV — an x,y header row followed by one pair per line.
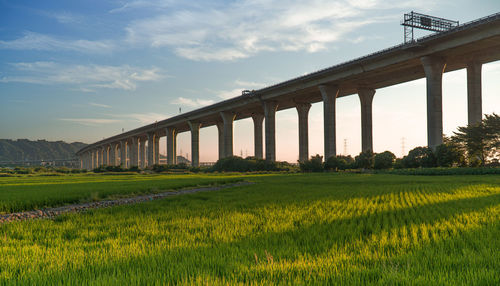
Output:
x,y
285,229
33,192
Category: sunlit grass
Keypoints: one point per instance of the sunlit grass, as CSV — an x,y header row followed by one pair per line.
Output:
x,y
285,229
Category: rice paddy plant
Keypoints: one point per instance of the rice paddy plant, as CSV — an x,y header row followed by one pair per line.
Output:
x,y
325,229
33,192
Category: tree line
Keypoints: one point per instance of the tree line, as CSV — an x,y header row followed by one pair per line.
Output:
x,y
475,145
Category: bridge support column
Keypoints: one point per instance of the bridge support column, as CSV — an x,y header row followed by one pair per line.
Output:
x,y
105,154
329,95
270,108
220,134
102,154
474,98
134,152
151,148
366,99
434,68
92,155
142,152
258,118
123,154
157,149
303,112
195,143
98,157
112,154
171,146
228,118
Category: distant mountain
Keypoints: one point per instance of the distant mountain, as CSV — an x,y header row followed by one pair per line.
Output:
x,y
27,150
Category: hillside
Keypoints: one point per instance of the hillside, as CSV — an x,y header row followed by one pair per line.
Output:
x,y
27,150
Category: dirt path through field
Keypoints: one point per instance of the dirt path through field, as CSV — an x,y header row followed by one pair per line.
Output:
x,y
52,212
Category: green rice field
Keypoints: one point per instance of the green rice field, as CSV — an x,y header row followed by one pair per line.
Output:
x,y
291,229
32,192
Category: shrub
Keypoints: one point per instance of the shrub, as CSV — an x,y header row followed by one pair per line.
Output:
x,y
250,164
339,163
420,157
384,160
313,165
449,154
364,160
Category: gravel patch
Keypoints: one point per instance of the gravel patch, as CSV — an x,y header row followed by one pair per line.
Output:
x,y
53,212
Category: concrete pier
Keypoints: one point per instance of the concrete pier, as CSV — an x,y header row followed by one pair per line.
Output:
x,y
106,155
258,119
270,108
228,118
474,97
329,94
157,149
303,113
434,68
366,99
142,152
123,154
171,142
195,143
220,138
151,148
134,152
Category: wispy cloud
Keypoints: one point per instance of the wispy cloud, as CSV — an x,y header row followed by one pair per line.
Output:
x,y
198,102
243,28
146,118
138,4
90,121
99,105
41,42
64,17
143,118
227,94
87,76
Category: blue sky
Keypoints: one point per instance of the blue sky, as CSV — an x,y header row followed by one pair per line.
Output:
x,y
83,70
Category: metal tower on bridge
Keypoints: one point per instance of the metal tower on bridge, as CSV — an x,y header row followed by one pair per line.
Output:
x,y
421,21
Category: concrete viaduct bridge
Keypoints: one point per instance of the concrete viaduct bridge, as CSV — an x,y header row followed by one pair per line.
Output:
x,y
467,46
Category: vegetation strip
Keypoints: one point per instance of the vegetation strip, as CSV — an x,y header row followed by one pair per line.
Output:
x,y
52,212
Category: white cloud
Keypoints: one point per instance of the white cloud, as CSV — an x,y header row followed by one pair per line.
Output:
x,y
99,105
146,118
90,121
138,4
65,17
143,118
227,94
41,42
249,84
198,102
241,29
87,76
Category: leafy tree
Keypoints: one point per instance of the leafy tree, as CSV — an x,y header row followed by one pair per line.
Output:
x,y
364,160
339,162
481,141
492,130
449,154
384,160
313,165
420,157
